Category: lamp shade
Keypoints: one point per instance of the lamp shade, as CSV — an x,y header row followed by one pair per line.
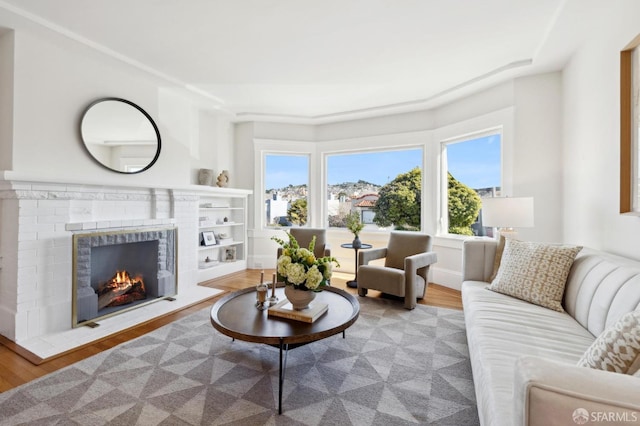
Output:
x,y
509,212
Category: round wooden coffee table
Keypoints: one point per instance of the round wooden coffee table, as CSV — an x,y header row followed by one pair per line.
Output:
x,y
236,316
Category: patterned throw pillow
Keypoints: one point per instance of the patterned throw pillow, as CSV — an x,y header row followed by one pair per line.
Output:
x,y
617,349
535,272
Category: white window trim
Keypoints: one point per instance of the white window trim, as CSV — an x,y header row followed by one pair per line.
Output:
x,y
325,160
393,142
444,180
492,123
264,147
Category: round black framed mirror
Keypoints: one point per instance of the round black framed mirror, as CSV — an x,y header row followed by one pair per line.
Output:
x,y
120,135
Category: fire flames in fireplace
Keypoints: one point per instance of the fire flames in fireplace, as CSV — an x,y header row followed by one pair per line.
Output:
x,y
120,290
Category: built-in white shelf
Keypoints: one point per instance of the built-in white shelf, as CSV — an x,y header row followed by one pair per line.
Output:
x,y
221,225
216,246
224,214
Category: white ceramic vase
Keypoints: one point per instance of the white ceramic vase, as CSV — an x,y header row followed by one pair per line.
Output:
x,y
299,299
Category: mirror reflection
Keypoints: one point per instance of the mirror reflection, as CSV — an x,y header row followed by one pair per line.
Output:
x,y
120,135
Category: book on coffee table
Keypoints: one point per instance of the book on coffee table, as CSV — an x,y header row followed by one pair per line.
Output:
x,y
283,309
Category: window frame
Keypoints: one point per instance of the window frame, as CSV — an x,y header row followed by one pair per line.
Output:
x,y
281,148
264,190
469,129
444,184
325,161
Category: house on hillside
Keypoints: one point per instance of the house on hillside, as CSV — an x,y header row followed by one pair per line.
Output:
x,y
364,205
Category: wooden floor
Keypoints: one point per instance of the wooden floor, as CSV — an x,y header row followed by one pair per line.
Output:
x,y
15,370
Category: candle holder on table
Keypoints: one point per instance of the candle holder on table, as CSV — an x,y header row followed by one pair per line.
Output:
x,y
261,294
273,299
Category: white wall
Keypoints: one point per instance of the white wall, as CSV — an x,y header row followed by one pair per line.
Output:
x,y
54,78
390,124
6,98
591,111
537,153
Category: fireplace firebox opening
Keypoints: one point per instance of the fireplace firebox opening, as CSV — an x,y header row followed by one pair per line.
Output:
x,y
116,271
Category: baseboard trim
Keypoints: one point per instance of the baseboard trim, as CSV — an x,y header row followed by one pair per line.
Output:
x,y
447,278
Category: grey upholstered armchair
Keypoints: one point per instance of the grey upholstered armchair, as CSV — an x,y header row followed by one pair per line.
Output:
x,y
304,236
407,257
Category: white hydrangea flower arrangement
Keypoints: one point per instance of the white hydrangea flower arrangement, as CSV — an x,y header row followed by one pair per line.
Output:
x,y
300,268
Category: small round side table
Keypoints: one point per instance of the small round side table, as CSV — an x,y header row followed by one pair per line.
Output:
x,y
354,283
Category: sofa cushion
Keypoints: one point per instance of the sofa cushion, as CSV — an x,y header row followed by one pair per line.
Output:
x,y
535,272
501,329
617,349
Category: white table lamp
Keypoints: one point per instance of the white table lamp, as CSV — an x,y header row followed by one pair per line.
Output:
x,y
507,213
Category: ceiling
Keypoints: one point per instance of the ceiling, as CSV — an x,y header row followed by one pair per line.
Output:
x,y
316,60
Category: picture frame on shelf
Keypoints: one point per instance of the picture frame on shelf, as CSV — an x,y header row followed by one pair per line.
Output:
x,y
229,254
208,238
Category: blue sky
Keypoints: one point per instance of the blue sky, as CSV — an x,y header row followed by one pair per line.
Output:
x,y
375,167
475,162
285,170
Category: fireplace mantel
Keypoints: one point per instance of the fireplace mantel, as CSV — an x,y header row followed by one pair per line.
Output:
x,y
12,180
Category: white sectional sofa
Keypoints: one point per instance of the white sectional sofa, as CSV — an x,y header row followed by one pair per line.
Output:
x,y
524,356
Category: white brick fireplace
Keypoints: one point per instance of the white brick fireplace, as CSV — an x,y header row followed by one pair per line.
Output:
x,y
37,223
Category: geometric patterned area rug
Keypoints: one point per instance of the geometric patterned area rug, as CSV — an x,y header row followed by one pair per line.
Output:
x,y
395,367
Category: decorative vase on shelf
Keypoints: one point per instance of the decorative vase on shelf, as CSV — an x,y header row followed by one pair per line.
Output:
x,y
299,299
356,244
223,179
205,177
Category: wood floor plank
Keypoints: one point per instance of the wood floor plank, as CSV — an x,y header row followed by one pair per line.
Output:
x,y
15,370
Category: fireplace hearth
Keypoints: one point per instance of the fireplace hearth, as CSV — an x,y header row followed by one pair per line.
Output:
x,y
115,271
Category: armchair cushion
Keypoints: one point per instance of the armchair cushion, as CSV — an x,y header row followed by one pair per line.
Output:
x,y
387,280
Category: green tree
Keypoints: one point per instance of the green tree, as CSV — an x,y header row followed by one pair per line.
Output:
x,y
464,206
298,211
399,201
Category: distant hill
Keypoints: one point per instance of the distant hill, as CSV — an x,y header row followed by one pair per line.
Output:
x,y
349,189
